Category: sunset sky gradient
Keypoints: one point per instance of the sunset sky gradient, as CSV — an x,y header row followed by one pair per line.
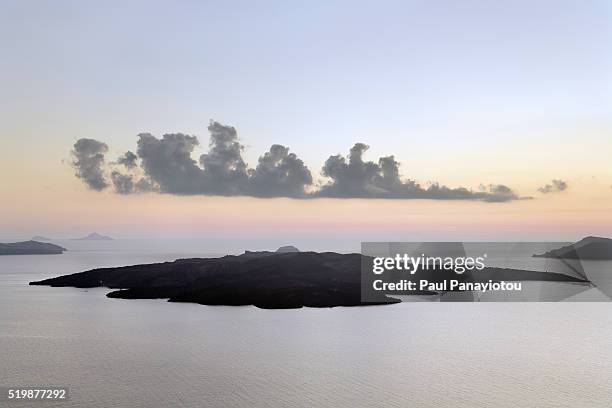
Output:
x,y
462,93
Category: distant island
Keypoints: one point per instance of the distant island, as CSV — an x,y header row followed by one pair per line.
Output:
x,y
271,280
40,238
287,248
30,248
589,248
94,236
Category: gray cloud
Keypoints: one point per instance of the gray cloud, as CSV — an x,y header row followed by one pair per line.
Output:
x,y
225,172
123,183
88,161
167,162
556,187
280,174
145,185
356,178
128,160
168,167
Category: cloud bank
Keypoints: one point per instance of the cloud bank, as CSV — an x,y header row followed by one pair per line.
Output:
x,y
556,187
356,178
166,165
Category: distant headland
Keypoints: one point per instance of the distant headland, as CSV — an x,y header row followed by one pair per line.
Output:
x,y
30,248
589,248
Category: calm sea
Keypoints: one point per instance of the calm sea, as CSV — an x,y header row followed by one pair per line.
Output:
x,y
150,353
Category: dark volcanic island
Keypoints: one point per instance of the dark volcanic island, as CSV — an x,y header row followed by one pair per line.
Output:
x,y
272,280
30,248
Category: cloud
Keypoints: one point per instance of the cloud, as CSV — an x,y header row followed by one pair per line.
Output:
x,y
356,178
88,161
280,174
128,160
168,167
225,171
556,187
145,185
123,183
167,162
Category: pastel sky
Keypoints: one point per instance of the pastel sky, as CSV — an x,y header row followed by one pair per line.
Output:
x,y
462,93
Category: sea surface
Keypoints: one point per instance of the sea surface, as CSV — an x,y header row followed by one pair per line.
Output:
x,y
151,353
